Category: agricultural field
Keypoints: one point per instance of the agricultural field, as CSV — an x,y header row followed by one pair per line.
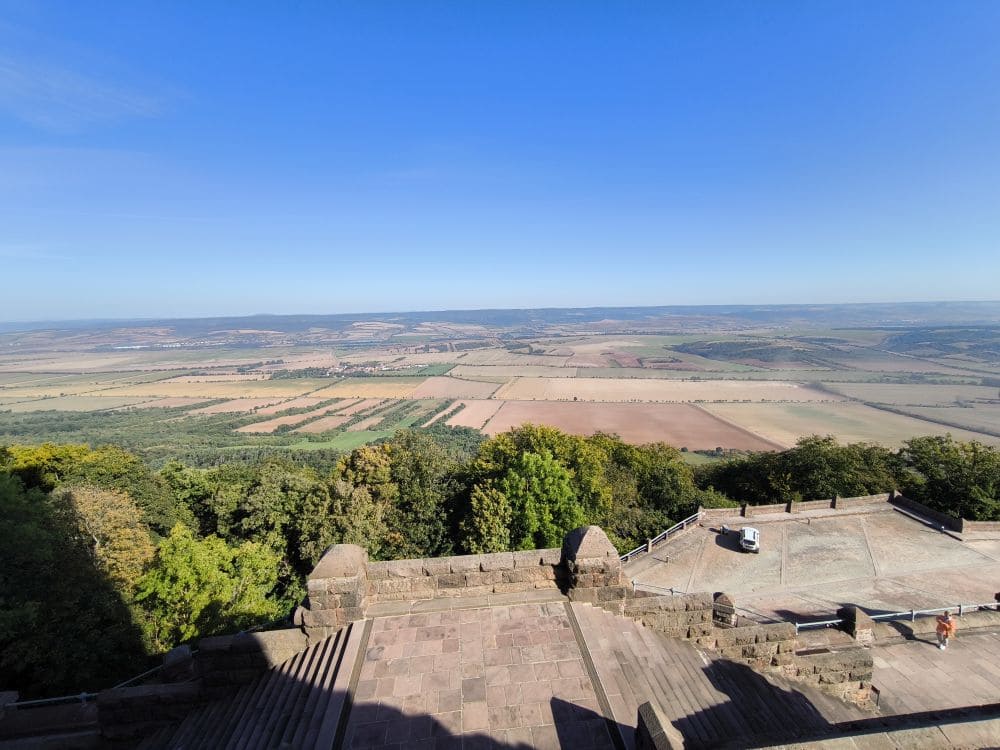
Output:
x,y
983,418
237,406
681,425
370,388
474,414
918,395
652,390
848,421
751,379
453,387
74,403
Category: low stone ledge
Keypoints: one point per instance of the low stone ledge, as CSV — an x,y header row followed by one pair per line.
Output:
x,y
654,731
666,603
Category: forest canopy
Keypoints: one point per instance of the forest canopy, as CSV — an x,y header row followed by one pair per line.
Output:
x,y
101,551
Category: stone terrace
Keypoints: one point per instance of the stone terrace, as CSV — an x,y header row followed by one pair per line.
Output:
x,y
491,676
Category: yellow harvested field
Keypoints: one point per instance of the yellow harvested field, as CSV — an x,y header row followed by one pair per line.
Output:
x,y
507,371
979,417
475,414
270,425
915,394
677,424
371,388
847,421
170,403
358,405
653,390
236,405
366,423
276,389
73,403
322,425
234,377
302,402
503,357
448,387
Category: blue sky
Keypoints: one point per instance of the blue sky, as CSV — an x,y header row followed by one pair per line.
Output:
x,y
186,159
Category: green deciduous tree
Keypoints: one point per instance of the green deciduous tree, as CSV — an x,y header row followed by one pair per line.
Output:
x,y
543,506
63,627
487,525
111,527
961,479
196,587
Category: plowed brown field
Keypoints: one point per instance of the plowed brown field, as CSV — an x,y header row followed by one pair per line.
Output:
x,y
676,424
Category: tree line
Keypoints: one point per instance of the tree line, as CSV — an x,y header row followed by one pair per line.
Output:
x,y
108,562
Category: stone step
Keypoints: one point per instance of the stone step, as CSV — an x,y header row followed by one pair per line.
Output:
x,y
712,702
297,704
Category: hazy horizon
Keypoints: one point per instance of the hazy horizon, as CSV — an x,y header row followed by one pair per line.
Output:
x,y
11,325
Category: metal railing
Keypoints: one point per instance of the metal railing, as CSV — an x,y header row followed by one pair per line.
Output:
x,y
85,697
909,614
664,590
661,538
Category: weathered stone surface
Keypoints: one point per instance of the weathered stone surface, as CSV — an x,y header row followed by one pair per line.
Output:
x,y
588,542
858,624
341,561
654,731
465,563
436,566
405,568
497,561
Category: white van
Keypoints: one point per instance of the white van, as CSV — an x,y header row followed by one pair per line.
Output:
x,y
749,539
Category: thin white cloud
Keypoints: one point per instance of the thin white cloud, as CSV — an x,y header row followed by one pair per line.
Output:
x,y
29,253
63,100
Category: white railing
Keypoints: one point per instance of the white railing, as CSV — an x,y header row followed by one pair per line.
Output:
x,y
909,614
661,538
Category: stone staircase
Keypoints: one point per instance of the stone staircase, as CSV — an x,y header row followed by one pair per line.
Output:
x,y
298,704
712,702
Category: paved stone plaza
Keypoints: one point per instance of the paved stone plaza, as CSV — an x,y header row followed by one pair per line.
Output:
x,y
915,676
811,564
476,678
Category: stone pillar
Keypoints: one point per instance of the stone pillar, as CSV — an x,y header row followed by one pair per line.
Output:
x,y
594,569
858,625
337,591
724,610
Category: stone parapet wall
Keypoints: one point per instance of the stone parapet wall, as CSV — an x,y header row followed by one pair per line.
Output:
x,y
846,674
226,662
950,522
19,724
756,645
464,575
688,616
980,525
133,712
853,502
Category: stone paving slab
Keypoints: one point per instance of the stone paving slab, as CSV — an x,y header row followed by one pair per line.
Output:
x,y
417,606
511,675
915,676
809,567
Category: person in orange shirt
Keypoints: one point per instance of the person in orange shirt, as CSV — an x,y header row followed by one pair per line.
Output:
x,y
945,629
